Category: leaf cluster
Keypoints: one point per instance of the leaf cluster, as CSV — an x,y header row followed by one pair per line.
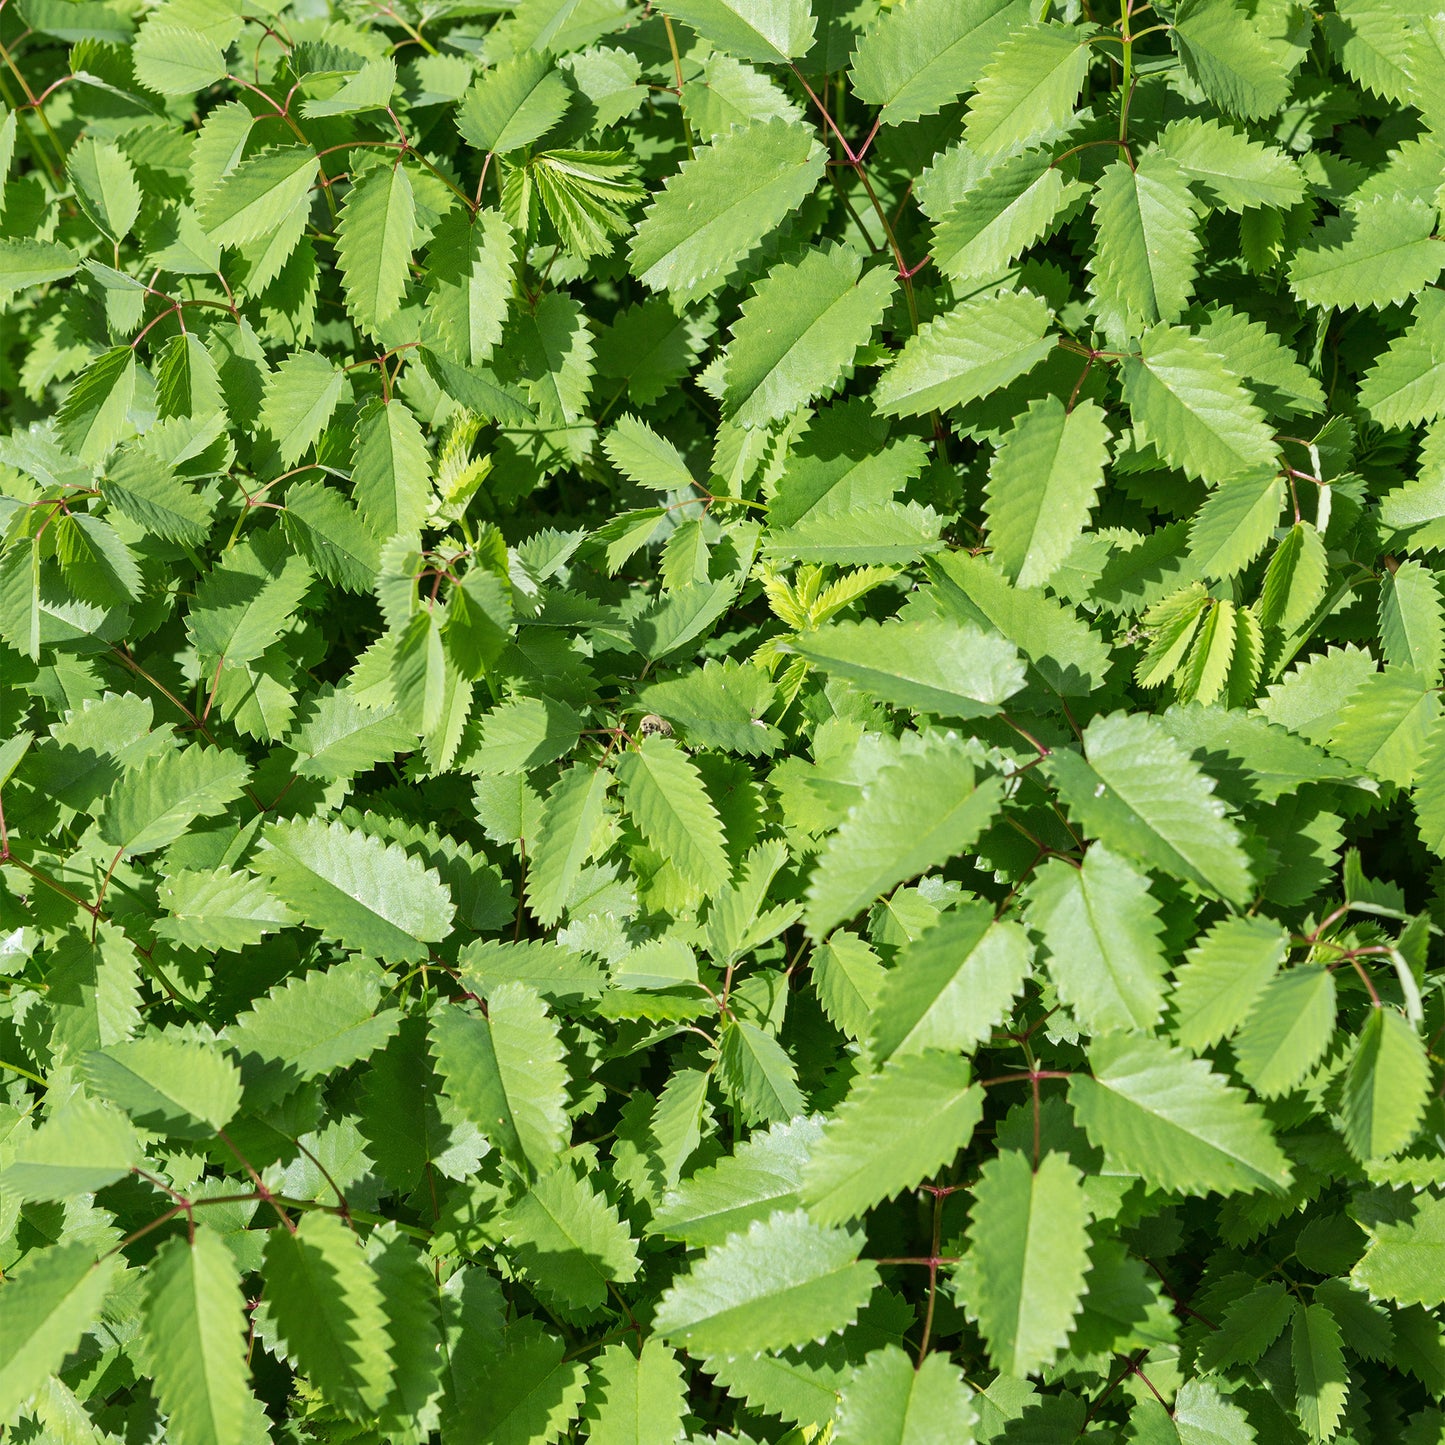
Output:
x,y
721,722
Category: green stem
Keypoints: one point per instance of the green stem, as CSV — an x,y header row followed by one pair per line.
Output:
x,y
16,1069
677,72
1127,81
40,115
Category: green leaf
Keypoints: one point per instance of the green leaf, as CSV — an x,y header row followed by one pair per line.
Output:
x,y
1069,657
1028,91
338,737
1233,58
644,457
470,265
640,1398
375,236
767,32
1406,385
1192,410
1227,168
218,911
965,354
1100,928
504,1071
1235,524
327,1309
919,56
1019,201
935,665
665,797
915,814
96,564
301,395
1412,620
1386,1087
762,1175
886,1399
45,1309
390,469
1223,974
527,1394
951,985
175,60
312,1025
568,1239
195,1312
570,817
721,204
1287,1030
331,536
1143,796
1321,1381
1148,241
1023,1275
785,1282
244,604
1042,485
1164,1116
356,889
152,805
81,1147
1294,579
33,263
370,88
1379,255
167,1084
1201,1416
92,419
1405,1262
895,1129
798,333
253,200
513,104
719,705
758,1074
526,734
1383,727
105,185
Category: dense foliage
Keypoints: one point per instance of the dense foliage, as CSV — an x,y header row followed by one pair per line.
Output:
x,y
721,725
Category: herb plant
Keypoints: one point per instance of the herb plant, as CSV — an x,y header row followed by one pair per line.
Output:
x,y
721,723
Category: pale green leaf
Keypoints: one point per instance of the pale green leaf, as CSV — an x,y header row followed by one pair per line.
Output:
x,y
966,353
664,795
326,1303
1144,796
798,332
1042,485
45,1308
936,665
920,55
1028,91
1101,932
895,1129
785,1282
1386,1086
505,1072
1157,1113
355,888
195,1315
915,814
1023,1276
950,986
887,1400
718,206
